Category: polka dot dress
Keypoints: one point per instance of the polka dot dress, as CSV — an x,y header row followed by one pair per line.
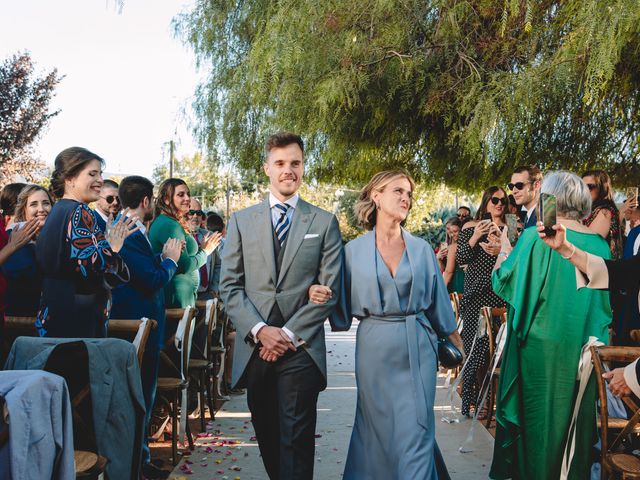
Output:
x,y
478,293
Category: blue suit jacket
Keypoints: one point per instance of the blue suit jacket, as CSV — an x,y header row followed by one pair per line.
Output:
x,y
143,296
631,239
532,220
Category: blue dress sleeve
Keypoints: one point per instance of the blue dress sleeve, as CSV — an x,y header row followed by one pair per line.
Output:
x,y
90,255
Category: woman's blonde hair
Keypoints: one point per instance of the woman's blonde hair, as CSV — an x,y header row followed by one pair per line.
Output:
x,y
23,199
365,208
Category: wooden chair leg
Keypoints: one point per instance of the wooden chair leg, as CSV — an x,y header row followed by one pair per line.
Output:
x,y
220,376
188,431
174,428
209,389
201,388
491,401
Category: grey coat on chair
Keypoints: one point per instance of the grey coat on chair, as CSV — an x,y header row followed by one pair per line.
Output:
x,y
250,286
116,395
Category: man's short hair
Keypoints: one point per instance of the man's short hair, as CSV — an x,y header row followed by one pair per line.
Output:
x,y
535,174
133,189
109,183
466,208
282,139
215,223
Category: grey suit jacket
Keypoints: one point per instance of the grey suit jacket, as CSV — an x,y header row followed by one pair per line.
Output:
x,y
116,395
250,286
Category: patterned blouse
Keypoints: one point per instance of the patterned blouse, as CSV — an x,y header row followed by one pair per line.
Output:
x,y
614,239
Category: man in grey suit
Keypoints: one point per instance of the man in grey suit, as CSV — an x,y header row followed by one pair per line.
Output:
x,y
273,253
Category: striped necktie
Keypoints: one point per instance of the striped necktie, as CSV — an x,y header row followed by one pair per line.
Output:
x,y
282,227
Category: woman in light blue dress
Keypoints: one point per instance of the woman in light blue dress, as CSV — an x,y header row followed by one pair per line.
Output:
x,y
394,287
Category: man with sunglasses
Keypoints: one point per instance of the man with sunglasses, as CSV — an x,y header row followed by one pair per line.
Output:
x,y
525,188
108,205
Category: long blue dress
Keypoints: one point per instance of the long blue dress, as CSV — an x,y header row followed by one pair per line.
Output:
x,y
396,360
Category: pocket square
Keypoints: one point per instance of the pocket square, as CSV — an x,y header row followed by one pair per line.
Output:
x,y
311,235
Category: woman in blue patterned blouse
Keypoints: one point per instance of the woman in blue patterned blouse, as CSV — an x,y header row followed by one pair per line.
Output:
x,y
79,264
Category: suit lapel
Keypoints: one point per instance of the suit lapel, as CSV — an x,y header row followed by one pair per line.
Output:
x,y
264,227
300,223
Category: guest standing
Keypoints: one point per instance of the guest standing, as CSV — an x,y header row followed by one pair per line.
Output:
x,y
24,279
525,187
8,200
79,265
604,218
108,204
143,295
452,272
394,287
172,207
550,320
474,252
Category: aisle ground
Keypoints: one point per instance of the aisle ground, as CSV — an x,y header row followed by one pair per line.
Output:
x,y
229,451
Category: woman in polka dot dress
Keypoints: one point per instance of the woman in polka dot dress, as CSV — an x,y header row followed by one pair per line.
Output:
x,y
480,258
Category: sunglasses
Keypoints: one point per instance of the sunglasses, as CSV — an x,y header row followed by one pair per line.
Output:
x,y
111,198
592,186
517,185
497,200
196,212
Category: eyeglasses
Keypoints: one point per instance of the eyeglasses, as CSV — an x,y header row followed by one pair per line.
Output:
x,y
196,212
111,198
592,186
497,200
517,185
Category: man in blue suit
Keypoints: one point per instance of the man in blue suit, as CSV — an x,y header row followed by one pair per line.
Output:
x,y
108,205
143,296
525,187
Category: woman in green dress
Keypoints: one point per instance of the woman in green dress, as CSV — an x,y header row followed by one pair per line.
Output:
x,y
172,207
549,322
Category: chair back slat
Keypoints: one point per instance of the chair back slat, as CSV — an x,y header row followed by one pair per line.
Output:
x,y
137,330
184,337
600,356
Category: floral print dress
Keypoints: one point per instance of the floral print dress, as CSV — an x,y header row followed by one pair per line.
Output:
x,y
79,269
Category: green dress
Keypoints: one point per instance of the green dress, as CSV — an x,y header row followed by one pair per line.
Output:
x,y
457,281
181,291
549,322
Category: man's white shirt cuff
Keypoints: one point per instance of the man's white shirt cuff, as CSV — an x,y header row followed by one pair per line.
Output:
x,y
256,328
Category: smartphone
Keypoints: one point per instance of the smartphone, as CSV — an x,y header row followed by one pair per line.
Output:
x,y
486,216
512,227
547,213
632,194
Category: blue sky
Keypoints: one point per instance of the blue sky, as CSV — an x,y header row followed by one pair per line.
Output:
x,y
127,79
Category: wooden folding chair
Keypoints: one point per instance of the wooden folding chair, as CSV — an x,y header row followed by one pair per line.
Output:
x,y
614,462
488,314
203,368
173,387
137,331
218,351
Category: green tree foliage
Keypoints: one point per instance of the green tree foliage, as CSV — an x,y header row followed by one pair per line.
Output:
x,y
453,90
200,174
24,113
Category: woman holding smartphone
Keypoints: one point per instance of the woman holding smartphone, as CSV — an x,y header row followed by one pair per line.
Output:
x,y
549,322
480,256
452,272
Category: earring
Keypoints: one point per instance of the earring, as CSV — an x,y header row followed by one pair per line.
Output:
x,y
377,206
